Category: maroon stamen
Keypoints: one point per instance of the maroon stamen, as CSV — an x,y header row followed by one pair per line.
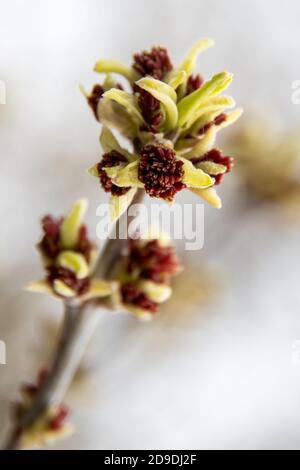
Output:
x,y
155,63
94,98
160,171
80,286
96,95
58,420
150,108
109,160
216,122
50,241
131,295
153,261
194,83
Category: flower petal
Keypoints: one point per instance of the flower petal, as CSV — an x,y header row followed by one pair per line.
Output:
x,y
231,118
111,66
109,143
151,84
128,176
215,104
119,204
158,293
111,114
70,227
128,101
178,79
139,313
203,145
189,63
75,262
209,195
188,105
39,287
93,171
193,177
62,289
166,95
211,168
98,289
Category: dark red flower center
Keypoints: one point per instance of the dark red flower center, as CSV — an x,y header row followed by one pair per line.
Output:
x,y
160,171
109,160
194,83
50,243
216,122
153,261
155,63
131,295
94,98
150,109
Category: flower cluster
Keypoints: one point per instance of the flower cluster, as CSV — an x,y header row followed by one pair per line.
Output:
x,y
267,161
69,258
50,427
171,118
145,276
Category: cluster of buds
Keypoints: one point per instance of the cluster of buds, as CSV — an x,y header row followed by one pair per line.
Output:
x,y
171,118
142,279
145,275
50,427
268,163
69,259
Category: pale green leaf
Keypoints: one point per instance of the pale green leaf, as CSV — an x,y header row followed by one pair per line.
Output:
x,y
189,105
98,289
166,95
209,195
128,176
111,66
119,204
158,293
212,168
75,262
111,114
189,63
178,79
69,230
193,177
39,287
109,142
128,101
93,171
62,289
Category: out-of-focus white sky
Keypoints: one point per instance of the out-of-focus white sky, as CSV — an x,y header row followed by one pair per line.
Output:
x,y
211,376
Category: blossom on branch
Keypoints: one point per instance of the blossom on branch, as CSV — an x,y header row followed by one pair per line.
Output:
x,y
69,259
171,118
145,276
51,425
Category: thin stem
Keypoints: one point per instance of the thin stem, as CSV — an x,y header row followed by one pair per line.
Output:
x,y
79,324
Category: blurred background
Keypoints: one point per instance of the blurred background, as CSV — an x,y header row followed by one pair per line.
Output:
x,y
218,367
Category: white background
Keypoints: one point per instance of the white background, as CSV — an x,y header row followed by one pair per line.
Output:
x,y
205,374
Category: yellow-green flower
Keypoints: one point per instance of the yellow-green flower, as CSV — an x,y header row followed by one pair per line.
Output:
x,y
171,118
69,258
145,276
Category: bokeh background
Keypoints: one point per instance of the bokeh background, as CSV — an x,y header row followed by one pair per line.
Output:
x,y
217,368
